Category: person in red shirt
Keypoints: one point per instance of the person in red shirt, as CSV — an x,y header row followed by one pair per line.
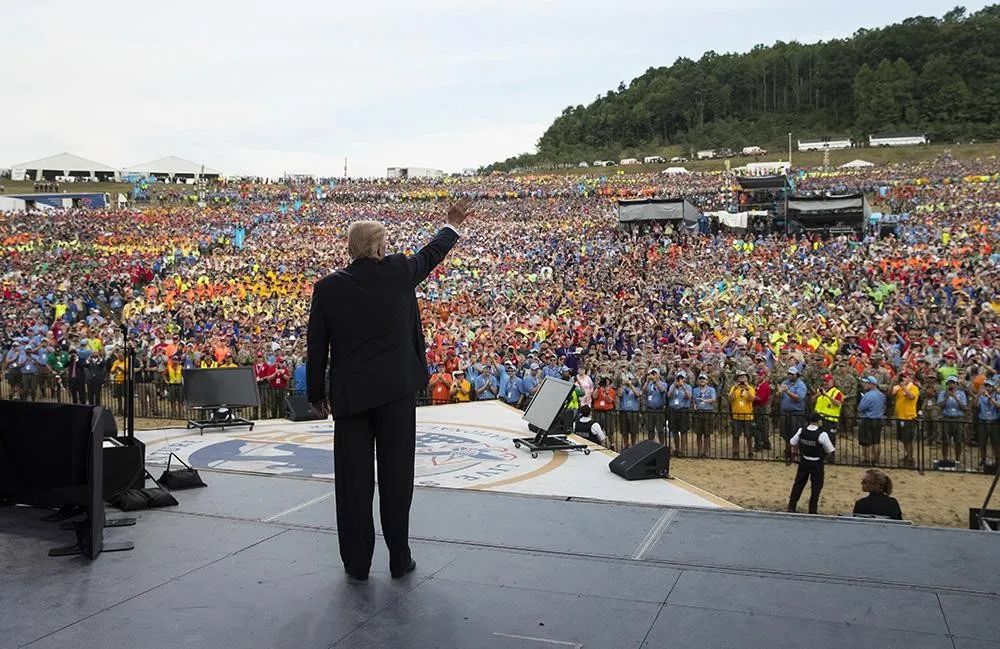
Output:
x,y
761,407
262,370
280,375
451,362
604,397
440,384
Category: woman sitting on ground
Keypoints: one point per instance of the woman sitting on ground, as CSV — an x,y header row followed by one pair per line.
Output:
x,y
879,501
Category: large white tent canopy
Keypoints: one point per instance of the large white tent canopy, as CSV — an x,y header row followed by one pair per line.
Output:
x,y
173,167
857,164
62,165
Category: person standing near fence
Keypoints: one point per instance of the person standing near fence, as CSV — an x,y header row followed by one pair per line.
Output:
x,y
792,407
905,396
628,405
871,409
810,446
741,408
95,371
679,398
829,401
762,412
953,403
653,392
75,379
704,399
988,421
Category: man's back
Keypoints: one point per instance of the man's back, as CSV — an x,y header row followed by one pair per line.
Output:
x,y
365,319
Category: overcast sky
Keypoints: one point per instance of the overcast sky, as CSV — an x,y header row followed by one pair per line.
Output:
x,y
269,87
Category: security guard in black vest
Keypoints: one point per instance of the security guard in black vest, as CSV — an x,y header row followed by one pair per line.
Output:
x,y
811,445
589,429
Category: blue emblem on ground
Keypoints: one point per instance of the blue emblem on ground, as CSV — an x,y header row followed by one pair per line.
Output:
x,y
285,459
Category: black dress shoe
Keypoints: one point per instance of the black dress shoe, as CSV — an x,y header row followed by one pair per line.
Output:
x,y
355,577
396,574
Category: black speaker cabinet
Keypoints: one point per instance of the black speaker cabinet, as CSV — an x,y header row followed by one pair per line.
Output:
x,y
297,408
124,466
645,460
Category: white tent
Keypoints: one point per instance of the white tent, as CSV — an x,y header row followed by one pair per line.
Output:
x,y
857,164
62,165
675,170
172,167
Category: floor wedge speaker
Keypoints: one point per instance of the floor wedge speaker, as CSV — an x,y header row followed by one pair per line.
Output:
x,y
645,460
297,408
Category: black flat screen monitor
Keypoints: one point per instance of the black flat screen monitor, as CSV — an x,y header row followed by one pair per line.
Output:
x,y
233,387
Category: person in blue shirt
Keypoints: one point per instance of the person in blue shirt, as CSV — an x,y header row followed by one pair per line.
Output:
x,y
792,408
871,409
953,403
530,381
504,375
704,398
512,395
654,393
299,377
988,422
629,396
679,396
486,384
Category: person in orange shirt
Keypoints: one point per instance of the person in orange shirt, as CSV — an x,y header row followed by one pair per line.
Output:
x,y
440,384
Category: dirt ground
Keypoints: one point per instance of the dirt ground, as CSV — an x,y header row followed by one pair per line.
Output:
x,y
935,498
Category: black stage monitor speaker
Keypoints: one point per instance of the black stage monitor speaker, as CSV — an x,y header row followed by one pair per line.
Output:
x,y
297,408
645,460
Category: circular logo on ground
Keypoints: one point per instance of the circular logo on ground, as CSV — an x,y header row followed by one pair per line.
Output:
x,y
446,455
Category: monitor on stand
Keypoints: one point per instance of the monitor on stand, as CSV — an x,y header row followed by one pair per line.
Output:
x,y
543,416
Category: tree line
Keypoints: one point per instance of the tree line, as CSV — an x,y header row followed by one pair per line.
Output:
x,y
926,75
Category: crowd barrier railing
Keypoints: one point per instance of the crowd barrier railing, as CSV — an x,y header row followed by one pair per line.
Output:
x,y
920,444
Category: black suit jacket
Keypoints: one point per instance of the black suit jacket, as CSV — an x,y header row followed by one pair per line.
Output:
x,y
365,326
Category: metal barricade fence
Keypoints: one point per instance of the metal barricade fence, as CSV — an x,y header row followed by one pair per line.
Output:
x,y
921,444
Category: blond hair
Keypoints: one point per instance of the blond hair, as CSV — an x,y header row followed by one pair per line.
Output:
x,y
366,239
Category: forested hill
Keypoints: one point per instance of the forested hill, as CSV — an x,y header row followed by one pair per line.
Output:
x,y
939,76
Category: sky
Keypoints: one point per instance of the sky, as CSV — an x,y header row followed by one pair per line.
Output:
x,y
295,86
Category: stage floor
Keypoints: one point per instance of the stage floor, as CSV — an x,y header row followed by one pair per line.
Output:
x,y
465,446
252,562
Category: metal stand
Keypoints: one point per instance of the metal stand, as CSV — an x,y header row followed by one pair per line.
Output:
x,y
230,420
550,442
108,522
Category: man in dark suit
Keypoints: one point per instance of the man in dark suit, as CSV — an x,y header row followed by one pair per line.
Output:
x,y
365,326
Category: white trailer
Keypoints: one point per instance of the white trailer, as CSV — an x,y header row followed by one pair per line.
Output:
x,y
826,144
705,154
897,140
413,172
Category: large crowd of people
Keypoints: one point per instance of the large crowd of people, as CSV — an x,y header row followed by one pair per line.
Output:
x,y
763,327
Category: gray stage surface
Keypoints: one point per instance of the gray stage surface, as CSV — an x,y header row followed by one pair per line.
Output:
x,y
251,562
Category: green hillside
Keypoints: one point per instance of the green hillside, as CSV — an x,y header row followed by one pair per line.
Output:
x,y
928,75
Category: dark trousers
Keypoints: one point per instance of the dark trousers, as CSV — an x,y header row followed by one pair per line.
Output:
x,y
76,391
94,392
813,472
388,432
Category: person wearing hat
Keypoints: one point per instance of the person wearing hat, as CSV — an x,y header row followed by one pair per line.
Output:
x,y
878,369
905,396
461,388
654,392
741,398
810,447
680,397
871,410
954,404
829,401
629,399
988,421
792,408
703,399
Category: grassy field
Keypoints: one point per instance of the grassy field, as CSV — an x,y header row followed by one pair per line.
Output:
x,y
810,159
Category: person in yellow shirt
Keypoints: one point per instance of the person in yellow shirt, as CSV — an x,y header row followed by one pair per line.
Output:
x,y
904,410
461,389
741,397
